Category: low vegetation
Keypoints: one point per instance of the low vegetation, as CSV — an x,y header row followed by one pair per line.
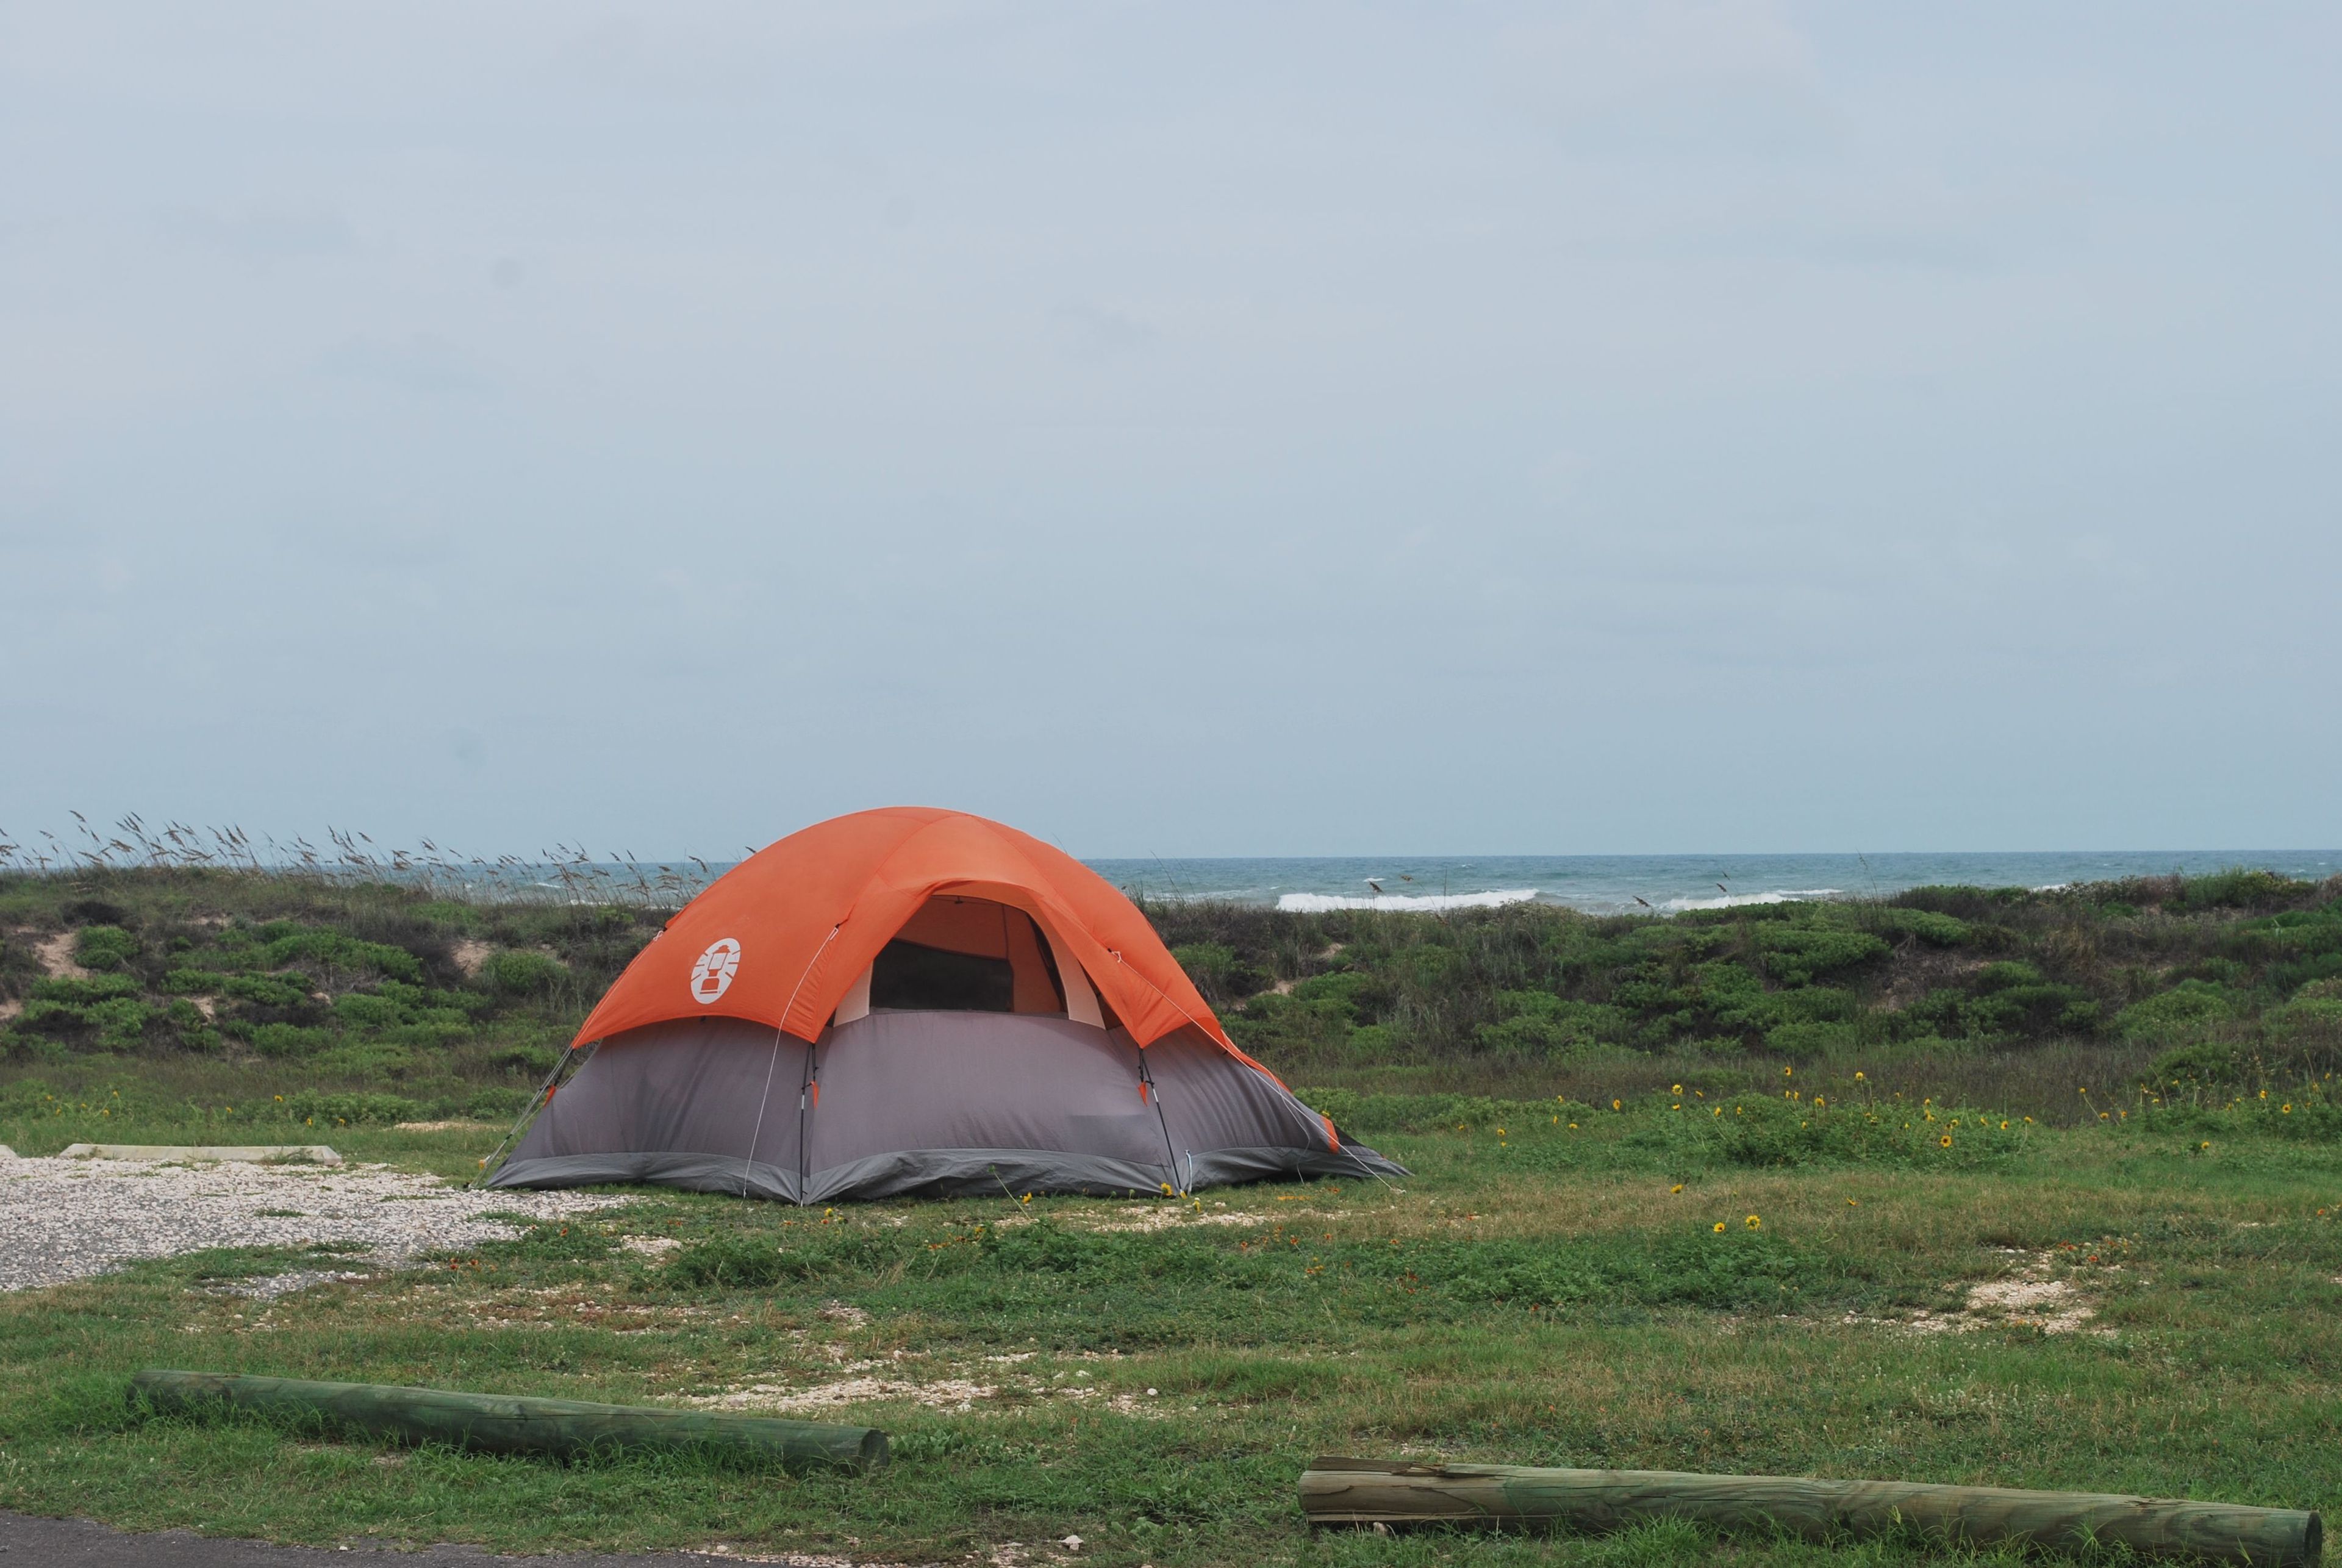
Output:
x,y
2206,985
345,1002
400,1001
2028,1189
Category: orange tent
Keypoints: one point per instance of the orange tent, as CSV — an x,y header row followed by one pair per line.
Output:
x,y
914,1000
781,937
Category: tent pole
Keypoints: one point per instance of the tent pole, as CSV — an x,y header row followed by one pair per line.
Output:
x,y
1154,1092
564,1067
748,1161
1290,1098
804,1120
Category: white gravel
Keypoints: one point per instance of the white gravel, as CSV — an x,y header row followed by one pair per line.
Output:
x,y
68,1219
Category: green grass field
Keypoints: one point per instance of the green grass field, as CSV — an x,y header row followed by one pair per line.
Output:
x,y
1153,1377
1796,1244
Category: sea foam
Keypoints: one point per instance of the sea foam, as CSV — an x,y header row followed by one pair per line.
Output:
x,y
1319,903
1736,900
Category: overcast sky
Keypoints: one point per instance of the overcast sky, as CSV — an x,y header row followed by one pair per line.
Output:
x,y
1182,429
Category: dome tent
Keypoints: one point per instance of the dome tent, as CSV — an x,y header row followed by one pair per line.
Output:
x,y
911,1000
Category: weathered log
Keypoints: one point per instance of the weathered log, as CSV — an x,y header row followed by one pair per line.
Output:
x,y
1336,1491
236,1153
502,1425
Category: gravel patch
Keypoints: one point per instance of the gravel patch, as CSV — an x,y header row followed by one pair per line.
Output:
x,y
64,1220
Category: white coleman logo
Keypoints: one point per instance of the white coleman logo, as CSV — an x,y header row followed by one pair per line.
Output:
x,y
711,974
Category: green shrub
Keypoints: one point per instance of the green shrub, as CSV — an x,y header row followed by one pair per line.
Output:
x,y
1217,971
1540,1024
2019,1009
498,1104
1758,1012
1935,930
410,1014
1292,1023
1803,1041
332,951
518,973
2189,1008
267,990
2305,1022
84,992
2208,1064
52,1017
364,1010
2237,888
122,1021
104,947
290,1040
195,983
1793,955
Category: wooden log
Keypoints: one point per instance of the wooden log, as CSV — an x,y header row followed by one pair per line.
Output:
x,y
1335,1491
239,1153
502,1425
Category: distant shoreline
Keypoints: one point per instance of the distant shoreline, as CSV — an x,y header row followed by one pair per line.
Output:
x,y
1594,884
1661,884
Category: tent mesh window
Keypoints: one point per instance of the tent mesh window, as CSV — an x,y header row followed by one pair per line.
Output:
x,y
913,977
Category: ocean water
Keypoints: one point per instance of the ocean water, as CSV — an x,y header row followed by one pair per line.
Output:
x,y
1610,884
1599,884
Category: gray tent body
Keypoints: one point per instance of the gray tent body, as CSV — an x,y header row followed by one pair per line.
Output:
x,y
930,1103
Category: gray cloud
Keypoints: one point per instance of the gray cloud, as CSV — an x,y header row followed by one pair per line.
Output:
x,y
1221,429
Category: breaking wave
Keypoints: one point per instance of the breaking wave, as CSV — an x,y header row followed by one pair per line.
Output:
x,y
1319,903
1736,900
